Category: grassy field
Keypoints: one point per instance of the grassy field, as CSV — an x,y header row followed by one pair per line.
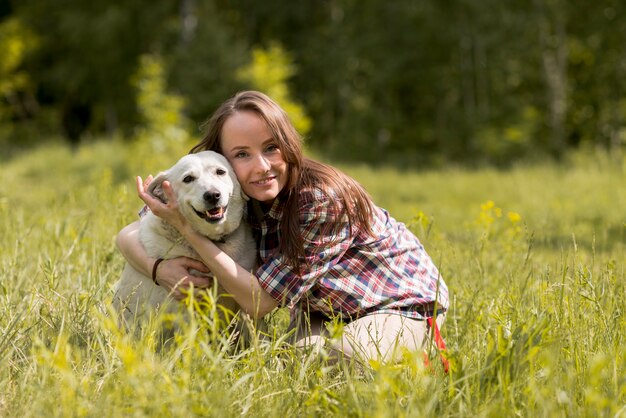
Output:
x,y
533,256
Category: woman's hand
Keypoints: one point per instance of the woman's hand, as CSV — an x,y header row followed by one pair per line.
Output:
x,y
166,211
176,276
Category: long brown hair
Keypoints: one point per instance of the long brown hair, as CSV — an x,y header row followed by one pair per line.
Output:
x,y
351,198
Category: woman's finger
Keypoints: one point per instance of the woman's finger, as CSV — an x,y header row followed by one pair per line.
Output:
x,y
152,202
142,187
148,181
182,287
139,183
196,265
169,192
198,282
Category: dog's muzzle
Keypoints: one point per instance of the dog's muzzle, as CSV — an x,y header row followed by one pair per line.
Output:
x,y
214,215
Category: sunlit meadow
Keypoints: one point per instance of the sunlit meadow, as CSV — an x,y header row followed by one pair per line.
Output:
x,y
533,256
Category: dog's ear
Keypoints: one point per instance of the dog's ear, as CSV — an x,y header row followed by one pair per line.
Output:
x,y
243,195
156,187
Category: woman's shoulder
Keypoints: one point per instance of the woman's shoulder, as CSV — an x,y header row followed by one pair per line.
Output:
x,y
315,195
319,205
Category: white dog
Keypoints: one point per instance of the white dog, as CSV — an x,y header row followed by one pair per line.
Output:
x,y
210,198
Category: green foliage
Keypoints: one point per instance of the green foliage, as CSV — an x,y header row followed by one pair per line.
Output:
x,y
269,72
15,42
16,86
403,82
534,258
501,145
87,53
164,128
202,60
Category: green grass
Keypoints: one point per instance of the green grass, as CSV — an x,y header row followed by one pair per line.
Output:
x,y
533,256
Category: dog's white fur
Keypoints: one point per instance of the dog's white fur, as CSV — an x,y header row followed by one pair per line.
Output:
x,y
210,198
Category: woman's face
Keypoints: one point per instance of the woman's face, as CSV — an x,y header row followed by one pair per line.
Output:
x,y
249,146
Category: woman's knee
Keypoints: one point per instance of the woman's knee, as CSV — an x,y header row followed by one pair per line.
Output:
x,y
384,337
379,337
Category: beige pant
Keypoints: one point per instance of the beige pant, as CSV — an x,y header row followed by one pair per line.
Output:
x,y
380,337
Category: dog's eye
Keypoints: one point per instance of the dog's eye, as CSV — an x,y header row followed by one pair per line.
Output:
x,y
188,179
220,171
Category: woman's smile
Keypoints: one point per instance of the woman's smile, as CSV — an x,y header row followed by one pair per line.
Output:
x,y
265,181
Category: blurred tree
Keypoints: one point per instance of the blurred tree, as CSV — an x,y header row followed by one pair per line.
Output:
x,y
415,81
268,72
551,17
16,89
412,82
87,54
163,124
597,74
163,131
203,61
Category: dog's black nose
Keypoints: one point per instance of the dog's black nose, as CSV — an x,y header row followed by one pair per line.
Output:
x,y
212,197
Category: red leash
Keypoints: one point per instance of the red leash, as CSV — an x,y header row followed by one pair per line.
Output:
x,y
439,342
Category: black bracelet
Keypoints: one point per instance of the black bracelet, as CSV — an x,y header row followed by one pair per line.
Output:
x,y
154,269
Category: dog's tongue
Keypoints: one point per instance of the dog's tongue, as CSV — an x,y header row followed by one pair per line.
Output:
x,y
216,213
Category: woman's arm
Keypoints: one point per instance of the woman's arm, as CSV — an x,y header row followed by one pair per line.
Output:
x,y
172,274
237,281
128,243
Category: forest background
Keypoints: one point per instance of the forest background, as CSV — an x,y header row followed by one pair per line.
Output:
x,y
419,83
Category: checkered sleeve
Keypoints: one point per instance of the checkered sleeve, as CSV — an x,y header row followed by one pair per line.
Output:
x,y
326,235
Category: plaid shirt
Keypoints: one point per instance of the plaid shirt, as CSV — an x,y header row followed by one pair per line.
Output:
x,y
349,276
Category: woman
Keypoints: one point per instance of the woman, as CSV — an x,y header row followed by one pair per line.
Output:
x,y
326,251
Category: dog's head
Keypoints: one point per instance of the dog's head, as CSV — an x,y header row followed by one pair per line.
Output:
x,y
208,193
